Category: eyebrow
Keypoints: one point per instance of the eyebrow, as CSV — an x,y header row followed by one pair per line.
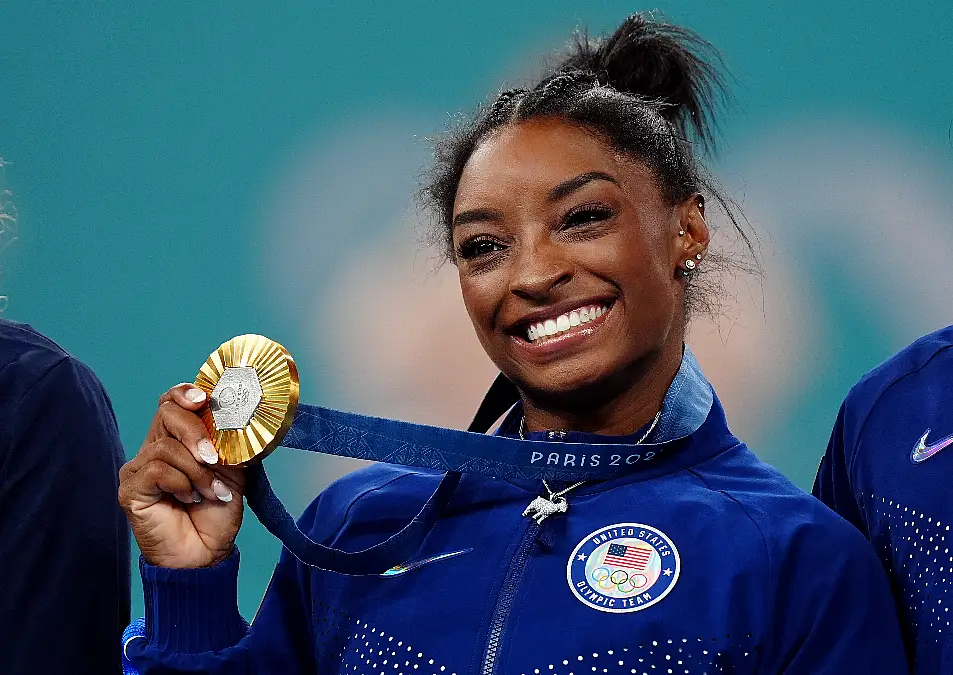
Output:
x,y
476,216
568,187
564,189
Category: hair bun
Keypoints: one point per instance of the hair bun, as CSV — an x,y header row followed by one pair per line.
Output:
x,y
658,61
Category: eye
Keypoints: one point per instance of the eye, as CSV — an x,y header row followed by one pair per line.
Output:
x,y
587,214
478,246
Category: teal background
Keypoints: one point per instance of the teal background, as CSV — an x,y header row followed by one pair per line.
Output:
x,y
147,141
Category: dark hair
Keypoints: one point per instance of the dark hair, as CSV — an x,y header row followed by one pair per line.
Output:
x,y
648,90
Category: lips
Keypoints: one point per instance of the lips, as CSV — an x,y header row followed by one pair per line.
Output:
x,y
544,329
548,332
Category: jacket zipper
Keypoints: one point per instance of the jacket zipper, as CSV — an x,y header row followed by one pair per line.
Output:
x,y
505,600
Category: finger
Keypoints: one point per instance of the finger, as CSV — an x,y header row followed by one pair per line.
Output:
x,y
193,497
186,395
222,492
128,490
170,451
126,470
186,426
233,477
152,483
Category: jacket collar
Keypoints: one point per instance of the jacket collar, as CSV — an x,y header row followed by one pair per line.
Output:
x,y
685,408
687,402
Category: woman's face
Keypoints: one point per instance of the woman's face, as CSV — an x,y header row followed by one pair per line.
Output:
x,y
570,260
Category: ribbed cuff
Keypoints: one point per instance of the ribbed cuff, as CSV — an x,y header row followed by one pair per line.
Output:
x,y
189,611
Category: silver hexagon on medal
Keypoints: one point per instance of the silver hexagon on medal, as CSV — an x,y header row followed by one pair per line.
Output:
x,y
235,398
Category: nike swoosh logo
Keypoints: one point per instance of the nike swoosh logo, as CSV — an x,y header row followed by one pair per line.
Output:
x,y
407,567
922,452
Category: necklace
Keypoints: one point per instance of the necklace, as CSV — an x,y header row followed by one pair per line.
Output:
x,y
542,508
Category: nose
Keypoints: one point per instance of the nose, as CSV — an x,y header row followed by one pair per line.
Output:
x,y
539,270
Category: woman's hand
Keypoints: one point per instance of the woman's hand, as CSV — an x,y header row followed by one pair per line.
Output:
x,y
185,509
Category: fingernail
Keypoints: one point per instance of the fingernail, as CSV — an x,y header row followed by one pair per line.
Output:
x,y
195,395
196,497
207,451
221,491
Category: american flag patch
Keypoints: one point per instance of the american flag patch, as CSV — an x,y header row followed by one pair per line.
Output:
x,y
629,557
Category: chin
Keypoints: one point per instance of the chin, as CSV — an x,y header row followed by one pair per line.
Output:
x,y
584,382
570,386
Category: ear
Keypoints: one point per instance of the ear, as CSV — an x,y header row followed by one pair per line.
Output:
x,y
692,237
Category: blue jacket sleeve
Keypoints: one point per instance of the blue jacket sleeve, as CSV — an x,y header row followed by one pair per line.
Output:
x,y
833,484
64,541
193,624
192,619
836,616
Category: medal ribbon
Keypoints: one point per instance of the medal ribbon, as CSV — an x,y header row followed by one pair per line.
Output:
x,y
332,432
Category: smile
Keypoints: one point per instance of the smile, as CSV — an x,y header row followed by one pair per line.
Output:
x,y
544,330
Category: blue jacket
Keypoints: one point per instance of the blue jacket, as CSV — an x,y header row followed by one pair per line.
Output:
x,y
703,560
892,479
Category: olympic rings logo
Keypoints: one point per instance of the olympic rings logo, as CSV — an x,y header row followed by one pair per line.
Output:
x,y
619,579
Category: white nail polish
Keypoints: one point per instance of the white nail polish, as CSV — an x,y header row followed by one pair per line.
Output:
x,y
195,395
221,491
207,451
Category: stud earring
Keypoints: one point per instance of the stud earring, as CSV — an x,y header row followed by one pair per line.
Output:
x,y
690,265
681,233
698,256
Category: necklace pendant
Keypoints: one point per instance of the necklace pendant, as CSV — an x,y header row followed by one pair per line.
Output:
x,y
541,508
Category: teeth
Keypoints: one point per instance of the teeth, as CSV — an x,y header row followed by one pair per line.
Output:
x,y
563,322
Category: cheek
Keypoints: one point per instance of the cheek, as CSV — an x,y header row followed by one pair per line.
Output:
x,y
646,279
639,264
479,297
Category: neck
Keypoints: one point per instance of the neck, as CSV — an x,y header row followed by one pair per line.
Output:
x,y
624,410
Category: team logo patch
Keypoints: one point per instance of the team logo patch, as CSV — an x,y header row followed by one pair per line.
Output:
x,y
623,568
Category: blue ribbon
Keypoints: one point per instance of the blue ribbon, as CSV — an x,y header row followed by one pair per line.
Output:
x,y
315,429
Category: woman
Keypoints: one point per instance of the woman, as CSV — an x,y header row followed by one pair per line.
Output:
x,y
887,471
575,216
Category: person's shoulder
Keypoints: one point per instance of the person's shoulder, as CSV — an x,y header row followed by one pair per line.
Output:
x,y
381,494
26,349
42,388
28,356
782,512
932,350
381,482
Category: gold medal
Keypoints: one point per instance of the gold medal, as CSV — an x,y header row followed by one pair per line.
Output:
x,y
252,387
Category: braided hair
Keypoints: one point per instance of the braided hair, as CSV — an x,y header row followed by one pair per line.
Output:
x,y
650,91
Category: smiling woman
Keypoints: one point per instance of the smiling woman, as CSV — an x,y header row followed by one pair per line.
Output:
x,y
575,215
579,229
